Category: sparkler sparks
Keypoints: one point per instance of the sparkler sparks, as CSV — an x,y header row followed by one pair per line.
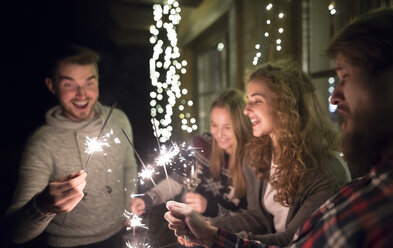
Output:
x,y
167,155
136,195
94,145
137,245
134,220
98,139
147,173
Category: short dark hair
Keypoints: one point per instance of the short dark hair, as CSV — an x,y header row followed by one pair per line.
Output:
x,y
367,42
73,54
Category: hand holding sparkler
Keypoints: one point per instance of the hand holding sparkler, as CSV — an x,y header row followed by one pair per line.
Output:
x,y
191,183
189,224
138,206
62,195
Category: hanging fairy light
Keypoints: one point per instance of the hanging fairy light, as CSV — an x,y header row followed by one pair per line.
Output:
x,y
272,34
332,8
165,69
257,55
332,108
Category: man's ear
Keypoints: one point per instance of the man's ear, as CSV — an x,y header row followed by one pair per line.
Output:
x,y
50,84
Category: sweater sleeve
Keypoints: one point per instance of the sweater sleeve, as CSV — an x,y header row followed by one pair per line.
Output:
x,y
162,192
254,219
24,218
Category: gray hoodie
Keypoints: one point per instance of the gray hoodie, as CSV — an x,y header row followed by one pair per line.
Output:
x,y
57,149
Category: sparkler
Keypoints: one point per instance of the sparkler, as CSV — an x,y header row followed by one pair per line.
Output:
x,y
166,157
147,171
97,144
163,160
133,221
137,245
136,195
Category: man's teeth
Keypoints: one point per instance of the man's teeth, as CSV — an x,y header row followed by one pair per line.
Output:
x,y
253,120
80,104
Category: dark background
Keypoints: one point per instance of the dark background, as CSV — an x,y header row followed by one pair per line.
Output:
x,y
28,30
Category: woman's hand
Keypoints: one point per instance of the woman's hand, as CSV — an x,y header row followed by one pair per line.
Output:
x,y
196,201
189,224
138,206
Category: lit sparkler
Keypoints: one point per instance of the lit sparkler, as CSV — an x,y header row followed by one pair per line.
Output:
x,y
136,195
133,221
166,157
98,139
137,245
94,145
147,172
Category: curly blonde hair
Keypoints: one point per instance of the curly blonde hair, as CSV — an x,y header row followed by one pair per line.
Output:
x,y
305,135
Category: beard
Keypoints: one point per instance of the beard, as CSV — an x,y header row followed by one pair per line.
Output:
x,y
370,137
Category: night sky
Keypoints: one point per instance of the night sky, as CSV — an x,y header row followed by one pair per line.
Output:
x,y
28,30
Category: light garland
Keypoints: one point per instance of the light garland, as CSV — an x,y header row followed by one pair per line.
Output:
x,y
268,34
331,80
332,8
332,108
164,64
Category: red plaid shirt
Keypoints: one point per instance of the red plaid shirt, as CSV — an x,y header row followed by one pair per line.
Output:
x,y
360,215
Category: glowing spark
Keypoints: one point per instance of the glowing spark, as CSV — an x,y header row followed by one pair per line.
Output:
x,y
134,220
94,145
136,245
136,195
166,156
146,172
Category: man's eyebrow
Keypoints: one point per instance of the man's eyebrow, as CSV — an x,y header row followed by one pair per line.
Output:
x,y
338,68
66,78
71,79
92,77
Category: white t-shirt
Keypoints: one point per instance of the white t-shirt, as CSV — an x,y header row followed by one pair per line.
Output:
x,y
278,211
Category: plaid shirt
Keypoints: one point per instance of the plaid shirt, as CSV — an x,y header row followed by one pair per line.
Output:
x,y
360,215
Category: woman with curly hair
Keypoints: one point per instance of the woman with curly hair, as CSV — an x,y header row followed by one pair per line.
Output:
x,y
292,166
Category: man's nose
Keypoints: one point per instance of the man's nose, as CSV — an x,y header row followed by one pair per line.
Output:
x,y
81,91
338,95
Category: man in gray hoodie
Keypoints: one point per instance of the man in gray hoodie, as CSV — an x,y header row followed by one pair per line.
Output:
x,y
76,196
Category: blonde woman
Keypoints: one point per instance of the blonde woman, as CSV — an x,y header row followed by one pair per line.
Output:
x,y
218,165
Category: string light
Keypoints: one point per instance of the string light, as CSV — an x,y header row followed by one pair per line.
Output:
x,y
270,33
165,68
257,55
332,108
332,8
220,47
269,6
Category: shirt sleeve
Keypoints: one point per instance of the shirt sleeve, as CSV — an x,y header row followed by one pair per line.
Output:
x,y
224,239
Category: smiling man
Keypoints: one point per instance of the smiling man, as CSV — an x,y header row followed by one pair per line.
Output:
x,y
54,194
361,214
76,87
